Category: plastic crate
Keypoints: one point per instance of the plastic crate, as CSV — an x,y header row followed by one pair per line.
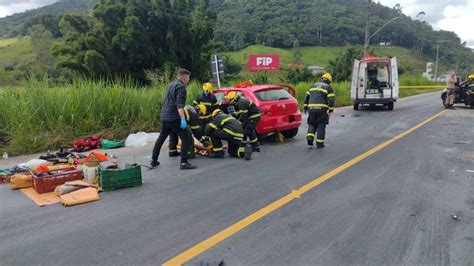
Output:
x,y
112,179
47,183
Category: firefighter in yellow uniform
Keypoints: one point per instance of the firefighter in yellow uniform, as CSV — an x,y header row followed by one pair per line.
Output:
x,y
225,127
208,99
248,114
193,130
469,90
319,104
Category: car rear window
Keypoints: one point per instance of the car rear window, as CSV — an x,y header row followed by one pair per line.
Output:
x,y
219,95
273,95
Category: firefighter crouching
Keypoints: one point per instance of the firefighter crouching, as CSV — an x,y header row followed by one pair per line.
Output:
x,y
319,104
226,127
469,90
248,114
208,99
192,115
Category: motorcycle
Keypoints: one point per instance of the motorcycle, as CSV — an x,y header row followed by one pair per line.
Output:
x,y
461,95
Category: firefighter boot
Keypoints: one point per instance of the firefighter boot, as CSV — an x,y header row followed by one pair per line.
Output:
x,y
255,147
310,140
248,151
319,145
217,154
174,153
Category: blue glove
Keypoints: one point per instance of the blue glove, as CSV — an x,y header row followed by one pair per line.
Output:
x,y
184,124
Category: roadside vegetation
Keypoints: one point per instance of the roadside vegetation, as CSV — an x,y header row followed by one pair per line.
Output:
x,y
40,117
65,79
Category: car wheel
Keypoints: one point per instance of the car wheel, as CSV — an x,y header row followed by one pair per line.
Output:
x,y
288,134
390,106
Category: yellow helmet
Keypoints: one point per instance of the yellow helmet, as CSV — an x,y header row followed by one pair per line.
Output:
x,y
328,77
231,95
471,76
202,109
207,87
216,112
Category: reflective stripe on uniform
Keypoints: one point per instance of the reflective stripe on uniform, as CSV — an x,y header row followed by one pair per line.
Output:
x,y
242,111
186,113
255,115
206,103
172,150
332,108
310,135
218,149
331,95
238,135
254,140
320,140
319,89
225,120
318,105
196,127
205,116
212,125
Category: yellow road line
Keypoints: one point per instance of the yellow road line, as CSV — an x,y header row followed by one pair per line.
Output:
x,y
424,87
294,194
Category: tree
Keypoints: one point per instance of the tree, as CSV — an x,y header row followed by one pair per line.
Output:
x,y
129,37
341,67
42,42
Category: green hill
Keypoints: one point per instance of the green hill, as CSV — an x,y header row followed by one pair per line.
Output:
x,y
16,55
12,26
320,56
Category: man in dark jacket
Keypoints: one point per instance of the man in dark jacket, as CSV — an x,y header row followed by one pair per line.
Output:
x,y
173,119
319,102
225,127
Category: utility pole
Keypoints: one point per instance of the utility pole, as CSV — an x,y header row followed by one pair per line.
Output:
x,y
437,59
369,36
366,42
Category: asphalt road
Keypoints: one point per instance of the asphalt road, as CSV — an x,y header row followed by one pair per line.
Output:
x,y
393,207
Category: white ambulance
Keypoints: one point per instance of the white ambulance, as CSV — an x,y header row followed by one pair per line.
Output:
x,y
375,82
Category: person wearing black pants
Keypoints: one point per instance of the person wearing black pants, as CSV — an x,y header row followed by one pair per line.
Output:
x,y
173,120
319,105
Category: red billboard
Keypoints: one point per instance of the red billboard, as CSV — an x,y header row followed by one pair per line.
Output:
x,y
264,62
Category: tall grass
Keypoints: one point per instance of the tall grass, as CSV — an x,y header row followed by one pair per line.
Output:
x,y
40,117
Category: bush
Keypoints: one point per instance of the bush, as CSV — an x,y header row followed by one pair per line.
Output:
x,y
300,75
9,67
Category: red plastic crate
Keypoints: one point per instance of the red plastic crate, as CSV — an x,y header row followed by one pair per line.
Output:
x,y
47,183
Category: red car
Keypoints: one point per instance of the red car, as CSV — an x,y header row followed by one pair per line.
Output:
x,y
277,103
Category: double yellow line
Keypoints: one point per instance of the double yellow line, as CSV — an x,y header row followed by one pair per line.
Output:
x,y
294,194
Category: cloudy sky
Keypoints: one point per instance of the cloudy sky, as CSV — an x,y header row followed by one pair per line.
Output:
x,y
8,7
451,15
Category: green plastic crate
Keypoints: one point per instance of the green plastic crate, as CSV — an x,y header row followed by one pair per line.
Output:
x,y
112,179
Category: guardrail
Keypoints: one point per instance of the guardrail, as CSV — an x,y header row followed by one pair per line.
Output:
x,y
424,87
